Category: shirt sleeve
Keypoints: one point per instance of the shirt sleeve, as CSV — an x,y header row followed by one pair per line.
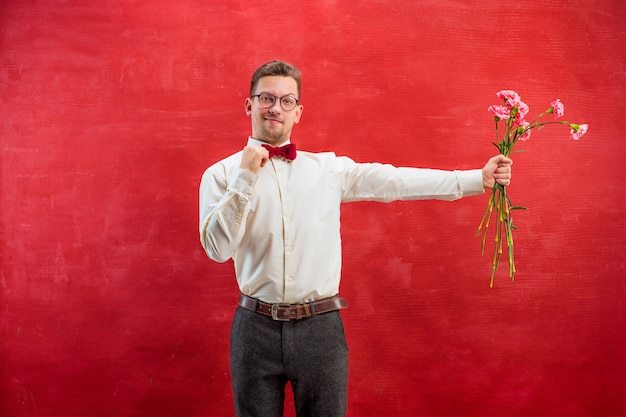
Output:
x,y
386,183
224,206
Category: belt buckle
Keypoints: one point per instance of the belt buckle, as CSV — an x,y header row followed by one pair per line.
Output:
x,y
275,308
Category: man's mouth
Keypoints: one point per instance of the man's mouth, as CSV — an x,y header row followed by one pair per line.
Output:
x,y
272,120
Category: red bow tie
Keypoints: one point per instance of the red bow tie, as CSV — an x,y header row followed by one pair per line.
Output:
x,y
287,151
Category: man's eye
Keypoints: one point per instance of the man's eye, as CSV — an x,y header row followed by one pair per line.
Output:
x,y
288,101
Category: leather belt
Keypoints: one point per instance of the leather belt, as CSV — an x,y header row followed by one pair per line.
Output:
x,y
287,312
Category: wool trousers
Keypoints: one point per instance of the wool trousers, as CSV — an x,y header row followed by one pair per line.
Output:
x,y
310,353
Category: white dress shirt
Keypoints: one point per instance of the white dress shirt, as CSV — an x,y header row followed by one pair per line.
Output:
x,y
281,225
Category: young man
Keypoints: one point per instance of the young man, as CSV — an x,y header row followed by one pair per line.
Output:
x,y
276,214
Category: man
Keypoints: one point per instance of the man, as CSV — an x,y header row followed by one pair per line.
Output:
x,y
278,218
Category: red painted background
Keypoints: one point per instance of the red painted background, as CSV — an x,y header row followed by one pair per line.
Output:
x,y
110,112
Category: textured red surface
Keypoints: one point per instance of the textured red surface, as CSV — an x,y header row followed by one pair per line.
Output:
x,y
110,112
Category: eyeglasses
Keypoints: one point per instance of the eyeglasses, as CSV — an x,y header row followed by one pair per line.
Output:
x,y
267,100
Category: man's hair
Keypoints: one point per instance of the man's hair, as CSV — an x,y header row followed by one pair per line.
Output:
x,y
275,68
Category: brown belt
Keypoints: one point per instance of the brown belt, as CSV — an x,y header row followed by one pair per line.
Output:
x,y
287,312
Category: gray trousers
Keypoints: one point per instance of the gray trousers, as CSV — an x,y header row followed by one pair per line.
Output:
x,y
310,353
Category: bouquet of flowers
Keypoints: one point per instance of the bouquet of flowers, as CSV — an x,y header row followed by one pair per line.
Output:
x,y
512,115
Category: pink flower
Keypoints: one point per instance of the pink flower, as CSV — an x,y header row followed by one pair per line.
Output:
x,y
557,108
522,109
511,100
501,112
578,130
509,96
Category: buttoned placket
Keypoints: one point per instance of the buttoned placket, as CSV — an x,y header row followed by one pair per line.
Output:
x,y
281,168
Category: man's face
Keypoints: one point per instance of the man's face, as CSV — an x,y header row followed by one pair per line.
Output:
x,y
273,124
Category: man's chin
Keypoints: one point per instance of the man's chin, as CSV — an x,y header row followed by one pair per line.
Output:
x,y
273,138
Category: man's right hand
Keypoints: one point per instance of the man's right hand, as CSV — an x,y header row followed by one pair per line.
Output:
x,y
254,158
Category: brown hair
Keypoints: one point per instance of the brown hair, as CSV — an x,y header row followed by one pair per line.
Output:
x,y
274,68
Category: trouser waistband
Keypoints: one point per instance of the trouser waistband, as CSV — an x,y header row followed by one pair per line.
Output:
x,y
287,312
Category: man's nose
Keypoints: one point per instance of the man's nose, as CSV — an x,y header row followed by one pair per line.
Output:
x,y
275,106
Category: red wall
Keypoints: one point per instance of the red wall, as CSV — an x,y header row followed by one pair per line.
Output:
x,y
110,112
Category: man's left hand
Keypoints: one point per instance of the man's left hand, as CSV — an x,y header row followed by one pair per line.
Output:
x,y
497,169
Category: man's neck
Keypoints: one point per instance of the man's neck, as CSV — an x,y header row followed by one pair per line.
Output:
x,y
274,144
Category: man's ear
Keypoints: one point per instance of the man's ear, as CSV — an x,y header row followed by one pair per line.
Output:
x,y
248,106
299,111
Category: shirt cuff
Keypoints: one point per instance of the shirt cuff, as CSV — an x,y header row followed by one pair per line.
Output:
x,y
471,182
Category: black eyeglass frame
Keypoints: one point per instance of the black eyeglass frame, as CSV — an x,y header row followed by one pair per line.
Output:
x,y
280,100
